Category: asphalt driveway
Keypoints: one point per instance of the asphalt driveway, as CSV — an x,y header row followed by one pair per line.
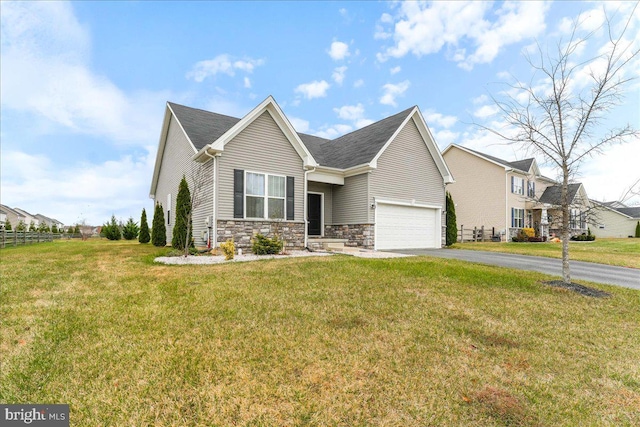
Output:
x,y
599,273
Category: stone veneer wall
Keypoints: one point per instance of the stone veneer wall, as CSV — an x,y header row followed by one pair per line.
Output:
x,y
243,231
360,235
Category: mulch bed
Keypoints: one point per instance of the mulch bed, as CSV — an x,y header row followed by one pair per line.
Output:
x,y
581,289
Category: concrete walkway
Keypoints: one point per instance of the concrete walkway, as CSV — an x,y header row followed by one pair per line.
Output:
x,y
599,273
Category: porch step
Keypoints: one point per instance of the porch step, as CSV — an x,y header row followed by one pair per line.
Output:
x,y
327,244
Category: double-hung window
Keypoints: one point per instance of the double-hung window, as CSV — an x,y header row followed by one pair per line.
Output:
x,y
265,196
517,185
531,189
517,218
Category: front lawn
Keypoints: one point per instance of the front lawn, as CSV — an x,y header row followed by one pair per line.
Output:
x,y
621,252
309,341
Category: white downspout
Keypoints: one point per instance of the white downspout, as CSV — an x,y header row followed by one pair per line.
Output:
x,y
306,221
214,222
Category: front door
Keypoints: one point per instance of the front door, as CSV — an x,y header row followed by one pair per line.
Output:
x,y
314,214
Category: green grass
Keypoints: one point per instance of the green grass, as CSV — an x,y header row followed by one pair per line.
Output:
x,y
621,252
309,341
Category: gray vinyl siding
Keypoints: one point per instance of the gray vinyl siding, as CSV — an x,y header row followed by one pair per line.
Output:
x,y
350,201
176,161
326,189
406,171
203,203
260,147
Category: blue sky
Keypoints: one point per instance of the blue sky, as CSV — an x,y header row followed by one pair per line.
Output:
x,y
84,84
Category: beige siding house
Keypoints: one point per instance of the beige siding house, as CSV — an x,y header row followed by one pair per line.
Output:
x,y
506,196
380,187
613,220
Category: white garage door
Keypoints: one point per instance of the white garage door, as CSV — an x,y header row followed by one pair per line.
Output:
x,y
406,227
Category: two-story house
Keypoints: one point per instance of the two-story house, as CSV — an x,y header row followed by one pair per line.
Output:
x,y
506,196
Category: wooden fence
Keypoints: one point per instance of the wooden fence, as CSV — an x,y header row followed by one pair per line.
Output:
x,y
16,238
477,234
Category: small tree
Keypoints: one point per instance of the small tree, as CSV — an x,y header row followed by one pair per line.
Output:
x,y
182,227
7,225
77,230
54,228
452,226
130,230
32,226
111,230
144,236
43,227
21,226
158,232
637,229
560,115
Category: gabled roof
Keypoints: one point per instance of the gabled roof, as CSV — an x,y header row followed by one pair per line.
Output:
x,y
524,165
202,127
8,210
620,208
358,147
211,131
553,194
23,212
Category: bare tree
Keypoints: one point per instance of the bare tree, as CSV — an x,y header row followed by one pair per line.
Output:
x,y
197,180
630,192
560,118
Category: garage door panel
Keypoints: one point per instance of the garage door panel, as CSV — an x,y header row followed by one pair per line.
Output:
x,y
405,227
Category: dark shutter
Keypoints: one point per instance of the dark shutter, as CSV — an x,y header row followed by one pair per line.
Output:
x,y
290,198
512,179
513,216
238,193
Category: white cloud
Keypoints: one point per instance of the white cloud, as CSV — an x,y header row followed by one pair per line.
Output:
x,y
358,83
338,50
247,83
300,125
314,89
391,91
438,119
445,137
424,28
395,70
350,112
331,132
78,192
339,74
486,111
222,64
44,71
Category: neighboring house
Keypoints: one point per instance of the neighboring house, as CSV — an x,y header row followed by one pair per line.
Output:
x,y
3,218
28,218
379,187
506,196
613,219
49,221
13,216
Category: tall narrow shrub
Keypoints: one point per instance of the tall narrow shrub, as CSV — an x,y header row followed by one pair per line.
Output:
x,y
7,225
452,227
183,217
637,229
144,237
158,231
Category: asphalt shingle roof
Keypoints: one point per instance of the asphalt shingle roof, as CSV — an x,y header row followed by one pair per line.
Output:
x,y
523,165
203,127
632,212
355,148
553,194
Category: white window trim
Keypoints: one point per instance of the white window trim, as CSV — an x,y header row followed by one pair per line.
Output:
x,y
266,196
515,218
514,189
